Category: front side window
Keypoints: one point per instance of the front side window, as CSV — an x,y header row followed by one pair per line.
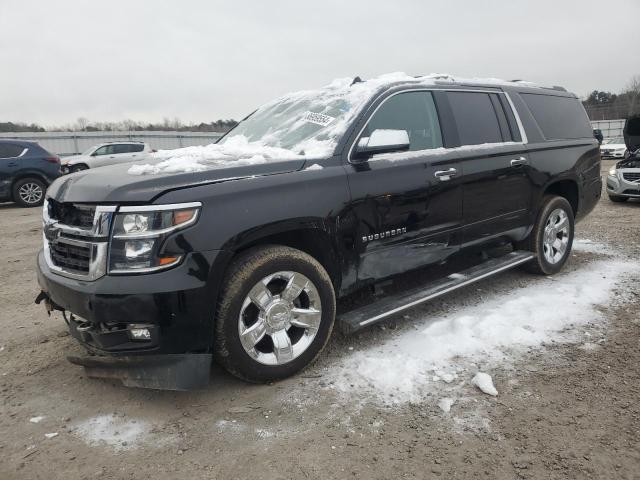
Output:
x,y
414,112
105,150
475,118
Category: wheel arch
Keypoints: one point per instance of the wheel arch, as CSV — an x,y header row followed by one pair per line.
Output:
x,y
568,189
311,236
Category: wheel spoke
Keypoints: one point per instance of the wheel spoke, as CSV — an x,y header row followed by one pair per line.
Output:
x,y
306,318
282,346
295,285
260,295
253,334
562,223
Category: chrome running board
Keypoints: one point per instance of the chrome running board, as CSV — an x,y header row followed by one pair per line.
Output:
x,y
367,315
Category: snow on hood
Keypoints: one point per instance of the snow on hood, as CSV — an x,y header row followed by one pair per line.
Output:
x,y
237,151
309,123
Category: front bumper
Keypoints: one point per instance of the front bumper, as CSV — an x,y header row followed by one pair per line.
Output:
x,y
618,186
176,306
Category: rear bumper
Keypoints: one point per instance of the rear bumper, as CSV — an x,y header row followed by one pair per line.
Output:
x,y
176,306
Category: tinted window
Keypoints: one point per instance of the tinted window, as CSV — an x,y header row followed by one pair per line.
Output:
x,y
9,150
124,148
475,118
414,112
136,148
558,117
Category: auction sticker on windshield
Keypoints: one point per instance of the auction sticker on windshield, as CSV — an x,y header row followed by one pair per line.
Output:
x,y
318,118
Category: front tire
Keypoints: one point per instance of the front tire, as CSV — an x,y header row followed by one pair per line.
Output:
x,y
617,199
275,315
29,192
552,236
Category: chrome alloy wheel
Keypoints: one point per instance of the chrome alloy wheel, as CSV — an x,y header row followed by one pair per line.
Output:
x,y
30,193
280,318
555,238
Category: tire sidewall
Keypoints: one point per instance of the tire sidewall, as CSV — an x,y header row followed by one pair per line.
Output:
x,y
553,204
238,360
20,183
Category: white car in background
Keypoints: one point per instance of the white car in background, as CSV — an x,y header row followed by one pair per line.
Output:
x,y
106,154
613,148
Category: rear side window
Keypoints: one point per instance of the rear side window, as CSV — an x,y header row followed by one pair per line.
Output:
x,y
123,148
136,148
558,117
475,118
414,112
9,150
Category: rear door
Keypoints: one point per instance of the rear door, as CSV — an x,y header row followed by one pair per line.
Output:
x,y
497,188
9,158
405,215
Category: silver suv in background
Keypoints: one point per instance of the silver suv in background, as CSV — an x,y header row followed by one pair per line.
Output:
x,y
106,154
623,181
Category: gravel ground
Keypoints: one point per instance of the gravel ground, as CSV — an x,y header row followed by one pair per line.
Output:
x,y
564,411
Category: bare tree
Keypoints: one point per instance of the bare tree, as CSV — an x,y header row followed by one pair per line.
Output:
x,y
632,90
82,123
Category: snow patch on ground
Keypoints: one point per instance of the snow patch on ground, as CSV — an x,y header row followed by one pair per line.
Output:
x,y
37,419
485,383
116,432
589,246
498,330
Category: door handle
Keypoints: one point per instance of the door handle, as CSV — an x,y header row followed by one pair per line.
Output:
x,y
517,162
12,164
445,175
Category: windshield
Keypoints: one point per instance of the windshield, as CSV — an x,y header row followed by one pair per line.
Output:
x,y
90,151
614,140
307,123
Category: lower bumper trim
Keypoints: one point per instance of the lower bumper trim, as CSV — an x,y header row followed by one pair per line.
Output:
x,y
159,372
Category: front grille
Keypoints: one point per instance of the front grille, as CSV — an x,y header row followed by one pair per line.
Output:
x,y
631,176
70,256
71,214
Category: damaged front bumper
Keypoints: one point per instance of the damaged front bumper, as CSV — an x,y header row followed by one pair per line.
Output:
x,y
151,332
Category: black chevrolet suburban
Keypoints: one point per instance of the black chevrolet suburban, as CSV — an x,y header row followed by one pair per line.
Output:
x,y
238,251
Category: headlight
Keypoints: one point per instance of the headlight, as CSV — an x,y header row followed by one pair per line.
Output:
x,y
139,232
612,171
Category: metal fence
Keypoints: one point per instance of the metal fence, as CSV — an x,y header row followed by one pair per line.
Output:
x,y
71,143
609,128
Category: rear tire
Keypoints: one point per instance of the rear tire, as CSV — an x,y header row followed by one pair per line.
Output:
x,y
617,199
29,192
275,314
551,238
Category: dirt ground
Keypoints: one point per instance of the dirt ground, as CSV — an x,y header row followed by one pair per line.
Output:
x,y
562,412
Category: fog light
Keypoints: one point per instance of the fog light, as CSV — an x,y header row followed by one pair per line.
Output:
x,y
139,333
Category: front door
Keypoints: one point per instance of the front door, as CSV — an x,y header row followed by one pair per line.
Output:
x,y
407,206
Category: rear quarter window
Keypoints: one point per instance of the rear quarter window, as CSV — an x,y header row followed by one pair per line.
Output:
x,y
559,118
9,150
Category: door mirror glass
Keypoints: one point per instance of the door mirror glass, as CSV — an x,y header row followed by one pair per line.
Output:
x,y
383,141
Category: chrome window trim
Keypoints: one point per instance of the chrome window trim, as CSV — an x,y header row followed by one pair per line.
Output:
x,y
523,135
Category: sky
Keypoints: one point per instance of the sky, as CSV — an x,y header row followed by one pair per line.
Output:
x,y
201,61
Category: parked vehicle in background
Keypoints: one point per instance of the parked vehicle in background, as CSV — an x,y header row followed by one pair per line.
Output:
x,y
106,154
239,250
613,148
623,181
26,170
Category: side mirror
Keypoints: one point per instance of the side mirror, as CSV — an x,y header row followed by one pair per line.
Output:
x,y
597,133
383,141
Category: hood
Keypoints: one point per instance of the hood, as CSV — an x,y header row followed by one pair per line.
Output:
x,y
612,146
631,133
114,184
